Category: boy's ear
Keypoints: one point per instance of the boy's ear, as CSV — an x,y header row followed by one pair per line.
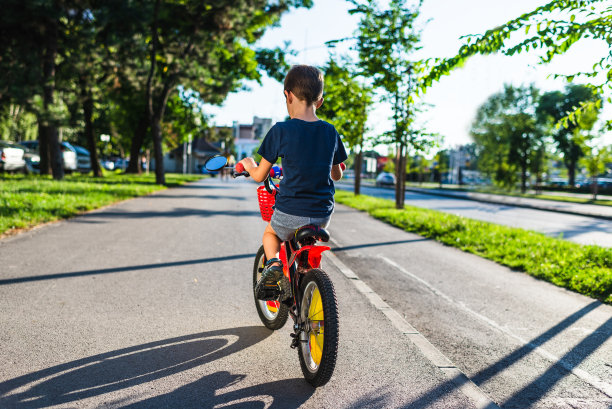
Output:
x,y
290,96
319,103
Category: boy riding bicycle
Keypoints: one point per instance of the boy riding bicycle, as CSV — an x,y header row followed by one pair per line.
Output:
x,y
312,154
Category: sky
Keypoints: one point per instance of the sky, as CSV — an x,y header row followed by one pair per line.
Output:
x,y
453,101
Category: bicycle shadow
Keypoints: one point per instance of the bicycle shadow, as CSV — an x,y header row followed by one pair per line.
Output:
x,y
204,393
128,367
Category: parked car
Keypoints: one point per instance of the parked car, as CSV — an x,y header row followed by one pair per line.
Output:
x,y
32,160
121,163
558,182
385,179
68,153
83,159
12,157
108,164
602,183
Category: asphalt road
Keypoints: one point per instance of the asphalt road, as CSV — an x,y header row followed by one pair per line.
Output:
x,y
148,304
579,229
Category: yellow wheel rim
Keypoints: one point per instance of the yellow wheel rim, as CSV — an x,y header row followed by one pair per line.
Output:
x,y
315,316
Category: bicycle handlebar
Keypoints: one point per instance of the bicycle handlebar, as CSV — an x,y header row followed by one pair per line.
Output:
x,y
240,171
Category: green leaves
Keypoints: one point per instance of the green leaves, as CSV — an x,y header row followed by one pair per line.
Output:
x,y
555,36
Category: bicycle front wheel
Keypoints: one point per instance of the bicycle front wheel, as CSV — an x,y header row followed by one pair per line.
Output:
x,y
319,338
273,314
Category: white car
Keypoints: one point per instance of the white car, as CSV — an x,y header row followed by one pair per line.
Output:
x,y
68,153
11,157
385,179
83,159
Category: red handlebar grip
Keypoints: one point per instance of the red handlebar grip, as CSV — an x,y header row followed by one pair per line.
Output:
x,y
239,168
342,166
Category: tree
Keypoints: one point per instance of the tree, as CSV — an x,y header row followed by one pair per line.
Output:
x,y
203,47
33,34
346,104
571,138
559,25
442,164
508,135
595,160
385,41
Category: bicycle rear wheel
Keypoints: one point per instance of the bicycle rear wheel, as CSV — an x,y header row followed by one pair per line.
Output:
x,y
319,339
272,314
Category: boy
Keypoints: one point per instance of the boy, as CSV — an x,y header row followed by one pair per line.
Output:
x,y
312,154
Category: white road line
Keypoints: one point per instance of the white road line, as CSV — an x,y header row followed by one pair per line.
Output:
x,y
592,380
437,358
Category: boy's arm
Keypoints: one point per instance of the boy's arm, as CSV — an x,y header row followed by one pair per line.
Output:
x,y
336,171
258,173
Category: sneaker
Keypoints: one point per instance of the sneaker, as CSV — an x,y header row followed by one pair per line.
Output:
x,y
273,285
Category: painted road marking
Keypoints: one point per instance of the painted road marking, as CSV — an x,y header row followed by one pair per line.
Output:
x,y
433,354
592,380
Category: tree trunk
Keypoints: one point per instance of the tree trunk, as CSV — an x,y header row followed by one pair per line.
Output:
x,y
357,167
43,148
594,186
88,103
400,186
160,177
137,141
523,178
571,172
49,127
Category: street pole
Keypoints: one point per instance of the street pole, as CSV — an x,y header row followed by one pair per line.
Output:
x,y
184,157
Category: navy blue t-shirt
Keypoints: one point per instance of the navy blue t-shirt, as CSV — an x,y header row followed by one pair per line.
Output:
x,y
308,151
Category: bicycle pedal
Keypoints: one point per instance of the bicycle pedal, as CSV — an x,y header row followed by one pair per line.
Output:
x,y
294,343
267,293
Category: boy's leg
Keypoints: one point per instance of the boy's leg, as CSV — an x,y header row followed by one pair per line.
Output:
x,y
272,285
271,243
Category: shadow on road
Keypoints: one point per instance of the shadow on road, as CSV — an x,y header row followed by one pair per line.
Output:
x,y
174,213
386,243
128,367
290,393
538,388
200,197
83,273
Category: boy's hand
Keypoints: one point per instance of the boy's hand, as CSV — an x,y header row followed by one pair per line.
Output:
x,y
258,172
249,164
336,171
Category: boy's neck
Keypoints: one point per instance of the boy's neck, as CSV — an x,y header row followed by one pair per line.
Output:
x,y
304,112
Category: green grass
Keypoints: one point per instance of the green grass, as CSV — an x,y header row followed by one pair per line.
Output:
x,y
26,201
584,269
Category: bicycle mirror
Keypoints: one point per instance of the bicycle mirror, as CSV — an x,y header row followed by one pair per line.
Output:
x,y
215,163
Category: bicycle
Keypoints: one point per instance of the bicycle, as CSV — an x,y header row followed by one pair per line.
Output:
x,y
312,305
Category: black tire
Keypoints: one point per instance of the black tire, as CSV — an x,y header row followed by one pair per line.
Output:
x,y
319,374
272,320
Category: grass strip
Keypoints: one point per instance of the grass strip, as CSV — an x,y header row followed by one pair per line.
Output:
x,y
584,269
26,201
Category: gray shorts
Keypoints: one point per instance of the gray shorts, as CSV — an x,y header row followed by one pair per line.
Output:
x,y
285,225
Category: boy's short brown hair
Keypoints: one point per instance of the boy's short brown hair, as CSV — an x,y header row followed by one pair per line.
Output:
x,y
306,83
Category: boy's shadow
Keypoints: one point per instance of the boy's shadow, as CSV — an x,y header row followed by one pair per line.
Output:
x,y
128,367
